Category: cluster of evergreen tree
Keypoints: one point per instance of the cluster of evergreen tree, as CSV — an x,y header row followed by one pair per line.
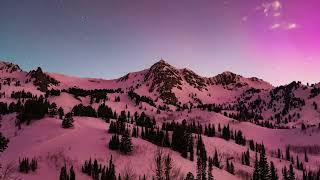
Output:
x,y
114,142
119,126
262,170
67,122
299,164
214,160
124,145
3,142
117,99
64,175
189,176
163,166
182,140
314,92
211,107
21,95
265,123
288,174
254,146
210,130
135,132
113,128
11,108
156,136
138,98
52,92
245,158
239,138
35,108
143,120
25,166
193,127
289,157
81,110
201,159
248,112
229,166
311,175
97,172
226,133
77,92
42,80
105,112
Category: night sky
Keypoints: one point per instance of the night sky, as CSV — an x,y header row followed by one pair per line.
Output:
x,y
278,41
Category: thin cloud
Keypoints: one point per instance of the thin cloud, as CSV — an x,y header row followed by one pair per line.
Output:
x,y
275,26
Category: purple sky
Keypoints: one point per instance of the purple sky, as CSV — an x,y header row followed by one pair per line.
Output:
x,y
277,41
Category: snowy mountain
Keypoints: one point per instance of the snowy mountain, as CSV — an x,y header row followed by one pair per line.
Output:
x,y
250,110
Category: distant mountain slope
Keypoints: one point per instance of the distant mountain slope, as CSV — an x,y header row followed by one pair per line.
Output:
x,y
170,89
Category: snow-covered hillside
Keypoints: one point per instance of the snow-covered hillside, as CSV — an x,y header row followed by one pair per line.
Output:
x,y
273,117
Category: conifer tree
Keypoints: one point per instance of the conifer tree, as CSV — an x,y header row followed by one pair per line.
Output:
x,y
125,144
288,157
216,162
166,141
67,121
159,165
63,173
291,173
263,165
199,168
168,167
306,159
72,174
189,176
285,174
191,150
210,167
273,172
256,171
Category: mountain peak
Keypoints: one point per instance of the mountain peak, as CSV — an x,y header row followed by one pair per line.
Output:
x,y
228,73
9,67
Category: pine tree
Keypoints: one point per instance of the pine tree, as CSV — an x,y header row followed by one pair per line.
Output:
x,y
210,167
61,113
159,165
199,169
166,141
230,167
291,173
168,167
114,142
125,144
189,176
216,162
256,171
190,148
263,165
285,173
72,174
67,121
63,173
273,172
306,159
33,165
288,157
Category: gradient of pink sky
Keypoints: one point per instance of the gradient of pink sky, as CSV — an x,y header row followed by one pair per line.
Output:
x,y
276,40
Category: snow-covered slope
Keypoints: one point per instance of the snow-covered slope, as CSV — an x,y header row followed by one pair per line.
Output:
x,y
169,94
